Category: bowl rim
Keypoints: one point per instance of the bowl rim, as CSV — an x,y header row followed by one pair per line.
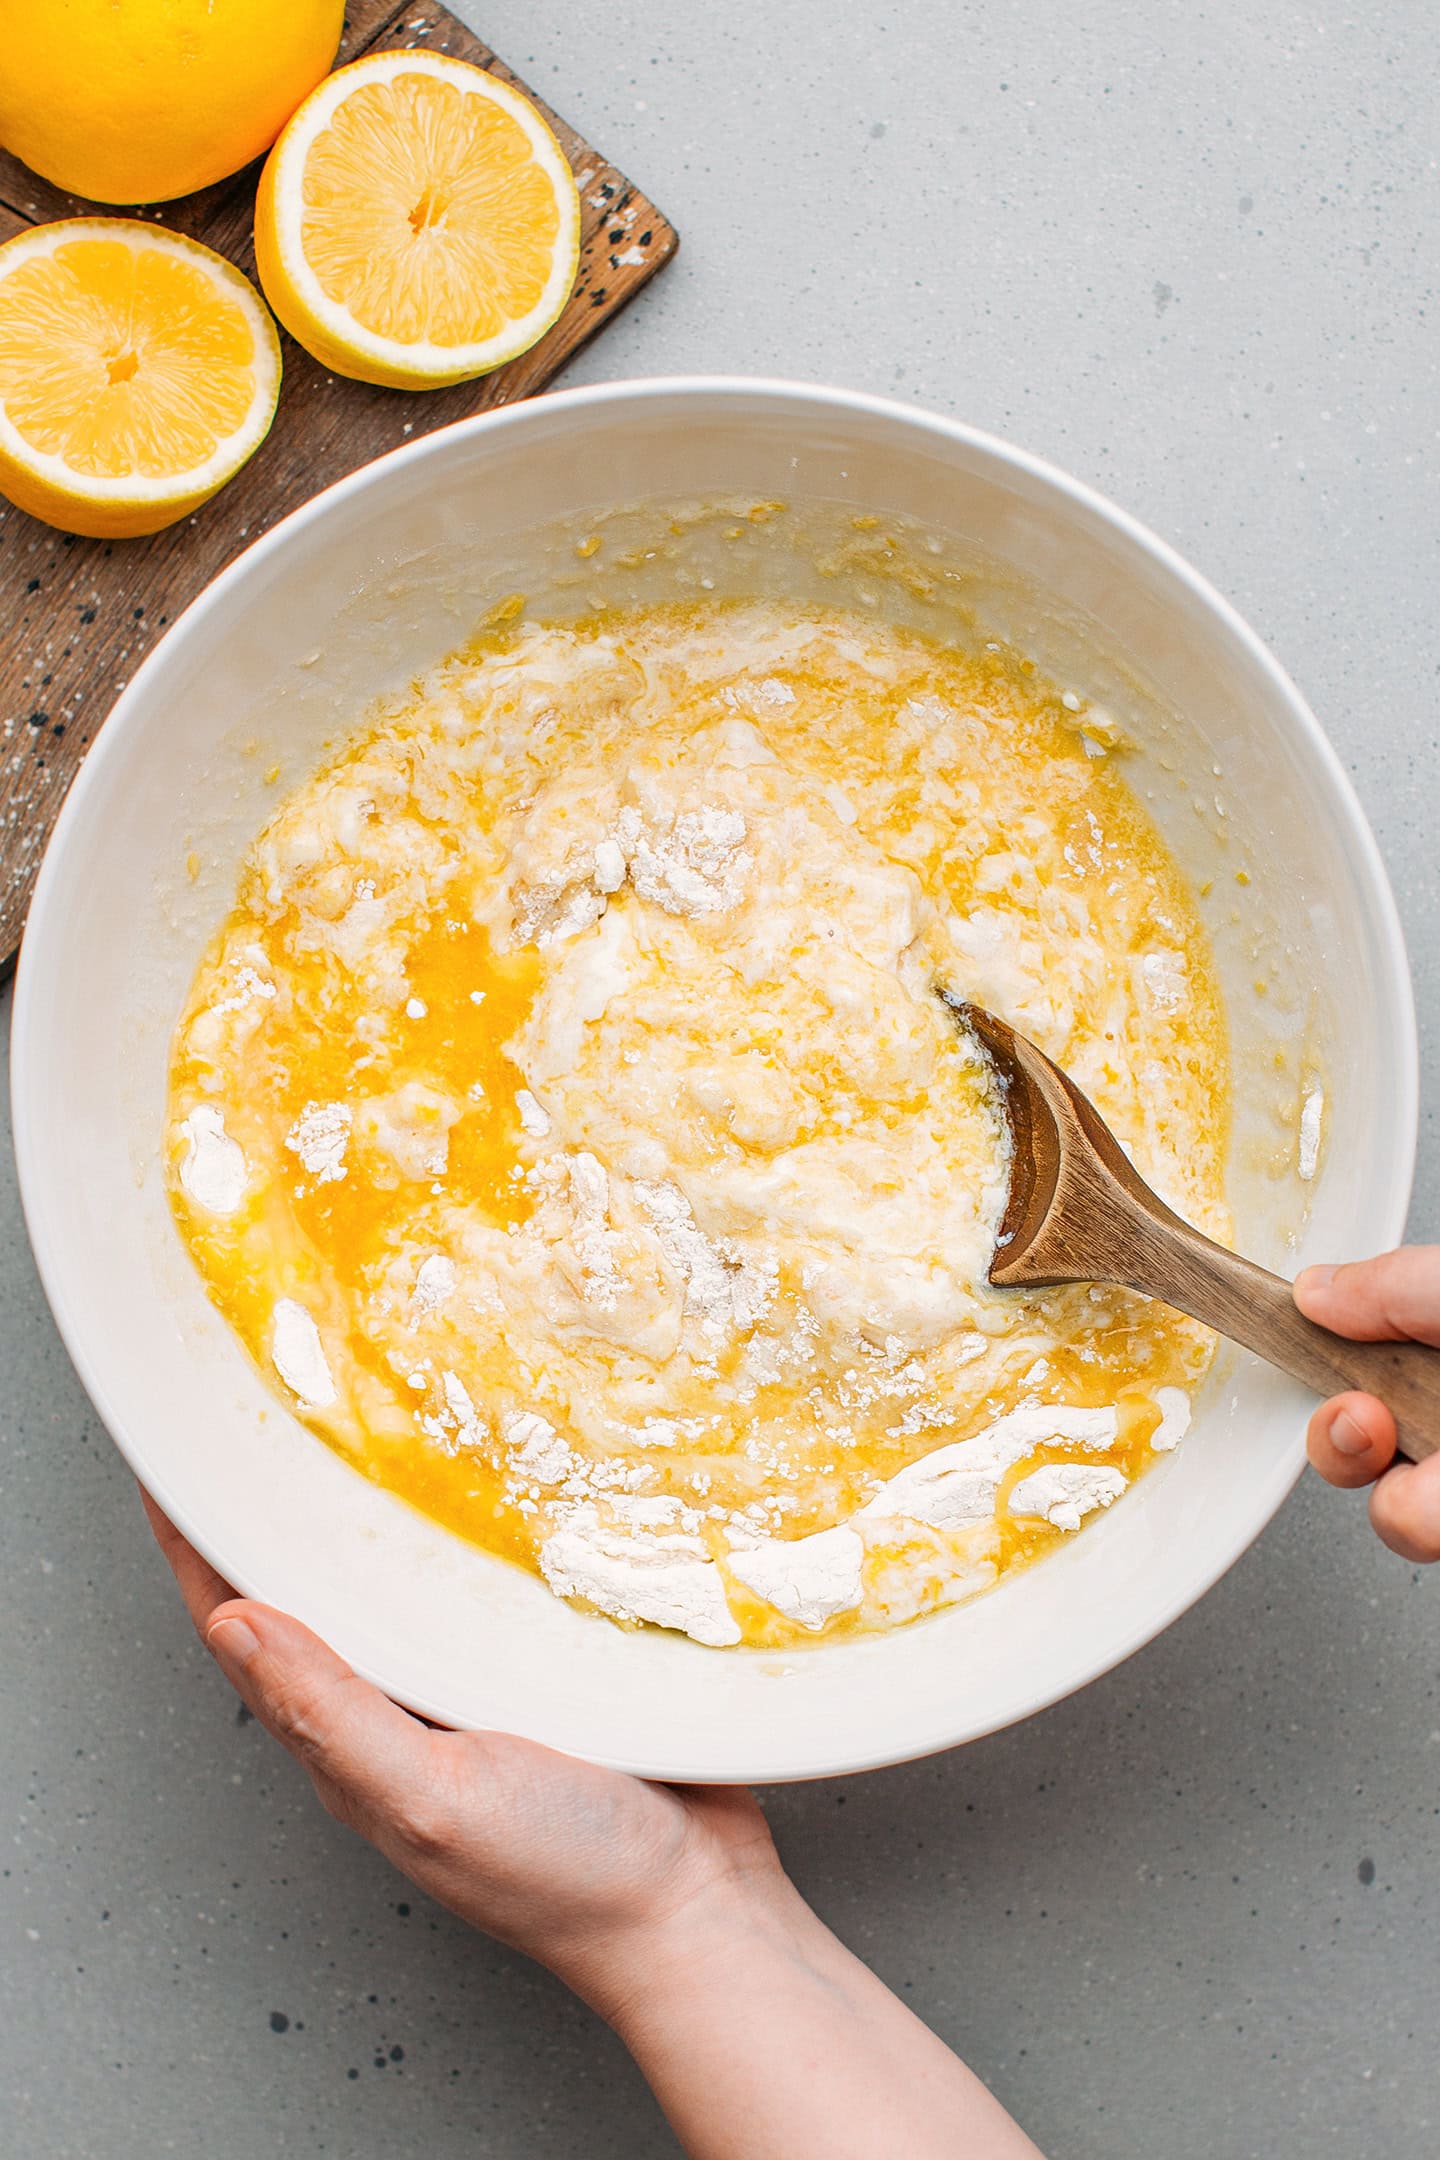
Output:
x,y
1396,986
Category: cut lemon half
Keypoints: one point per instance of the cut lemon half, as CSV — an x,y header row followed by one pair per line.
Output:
x,y
138,371
417,222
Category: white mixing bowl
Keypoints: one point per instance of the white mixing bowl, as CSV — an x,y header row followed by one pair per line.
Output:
x,y
385,572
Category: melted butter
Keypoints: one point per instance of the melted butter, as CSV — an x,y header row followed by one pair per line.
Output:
x,y
998,812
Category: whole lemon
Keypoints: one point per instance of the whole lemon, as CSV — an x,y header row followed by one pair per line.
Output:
x,y
130,101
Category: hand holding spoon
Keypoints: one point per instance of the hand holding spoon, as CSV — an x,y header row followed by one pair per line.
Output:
x,y
1079,1212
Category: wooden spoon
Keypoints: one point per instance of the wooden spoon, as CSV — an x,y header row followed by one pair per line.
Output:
x,y
1079,1212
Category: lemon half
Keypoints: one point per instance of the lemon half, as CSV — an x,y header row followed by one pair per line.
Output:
x,y
138,371
417,222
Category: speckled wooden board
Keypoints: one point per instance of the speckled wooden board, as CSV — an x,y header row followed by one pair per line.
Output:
x,y
80,614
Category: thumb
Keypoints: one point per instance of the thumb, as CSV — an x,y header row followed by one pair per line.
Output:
x,y
1387,1299
369,1759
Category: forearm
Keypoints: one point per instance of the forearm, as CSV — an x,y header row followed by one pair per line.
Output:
x,y
668,1911
763,2038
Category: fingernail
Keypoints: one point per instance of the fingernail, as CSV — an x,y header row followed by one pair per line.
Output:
x,y
1315,1278
233,1641
1348,1437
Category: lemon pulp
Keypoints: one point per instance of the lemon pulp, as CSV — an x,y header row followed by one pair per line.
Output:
x,y
417,222
138,371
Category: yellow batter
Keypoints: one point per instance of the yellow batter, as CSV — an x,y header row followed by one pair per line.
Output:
x,y
566,1121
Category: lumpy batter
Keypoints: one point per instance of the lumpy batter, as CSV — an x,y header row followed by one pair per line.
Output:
x,y
566,1120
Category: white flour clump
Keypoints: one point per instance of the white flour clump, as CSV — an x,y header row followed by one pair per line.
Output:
x,y
319,1137
590,1235
248,986
1166,979
665,1578
610,866
960,1484
462,1409
534,1118
298,1355
721,1290
1174,1419
434,1282
557,908
809,1579
456,1423
212,1169
695,864
1063,1493
538,1455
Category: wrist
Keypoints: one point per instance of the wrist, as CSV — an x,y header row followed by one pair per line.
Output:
x,y
651,1964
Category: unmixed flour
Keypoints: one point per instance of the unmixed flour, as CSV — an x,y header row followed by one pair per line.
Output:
x,y
319,1137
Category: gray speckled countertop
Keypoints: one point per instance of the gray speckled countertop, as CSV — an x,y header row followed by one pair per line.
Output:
x,y
1188,252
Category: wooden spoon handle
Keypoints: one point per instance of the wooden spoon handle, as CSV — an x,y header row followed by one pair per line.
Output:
x,y
1079,1211
1171,1261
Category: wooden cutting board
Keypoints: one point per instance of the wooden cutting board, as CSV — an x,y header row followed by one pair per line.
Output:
x,y
81,615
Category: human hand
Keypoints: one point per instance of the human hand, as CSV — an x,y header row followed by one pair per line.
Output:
x,y
666,1908
584,1869
1351,1441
